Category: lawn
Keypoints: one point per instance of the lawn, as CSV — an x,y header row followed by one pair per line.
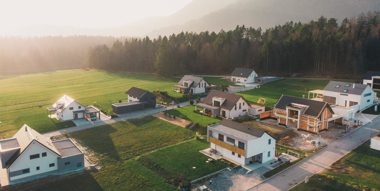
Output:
x,y
117,147
218,81
273,90
182,162
24,99
359,170
188,113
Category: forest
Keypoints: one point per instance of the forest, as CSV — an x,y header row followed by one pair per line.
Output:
x,y
323,47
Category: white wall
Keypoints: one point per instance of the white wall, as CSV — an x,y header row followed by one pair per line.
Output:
x,y
228,154
132,99
369,100
239,112
250,79
24,161
201,88
260,145
375,144
360,99
68,114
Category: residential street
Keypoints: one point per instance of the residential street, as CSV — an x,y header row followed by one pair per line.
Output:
x,y
132,115
320,161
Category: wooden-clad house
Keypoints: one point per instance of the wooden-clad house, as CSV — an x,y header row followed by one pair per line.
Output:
x,y
303,114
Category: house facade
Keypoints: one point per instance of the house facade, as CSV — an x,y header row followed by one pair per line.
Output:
x,y
243,76
66,108
241,144
29,155
350,95
225,105
375,143
190,84
138,99
303,114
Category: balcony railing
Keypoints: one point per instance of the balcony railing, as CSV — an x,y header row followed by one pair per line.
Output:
x,y
227,146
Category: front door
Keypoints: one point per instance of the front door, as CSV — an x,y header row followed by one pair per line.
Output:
x,y
223,114
75,115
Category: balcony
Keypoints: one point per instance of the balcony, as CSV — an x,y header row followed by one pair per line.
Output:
x,y
227,146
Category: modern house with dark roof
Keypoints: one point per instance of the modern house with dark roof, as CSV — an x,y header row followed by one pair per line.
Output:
x,y
243,75
303,114
372,79
240,143
223,104
29,155
190,84
138,99
350,95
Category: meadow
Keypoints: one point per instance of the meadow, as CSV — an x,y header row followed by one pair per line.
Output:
x,y
24,99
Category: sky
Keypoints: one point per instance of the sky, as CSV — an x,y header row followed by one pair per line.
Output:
x,y
18,14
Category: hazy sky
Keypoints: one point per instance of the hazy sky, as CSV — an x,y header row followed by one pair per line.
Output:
x,y
82,13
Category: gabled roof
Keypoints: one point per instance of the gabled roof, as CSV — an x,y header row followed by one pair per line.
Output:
x,y
242,72
25,136
314,108
137,92
345,87
230,99
63,102
194,79
256,132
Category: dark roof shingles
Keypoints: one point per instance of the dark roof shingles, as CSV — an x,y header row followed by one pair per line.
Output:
x,y
230,102
314,109
242,72
243,128
345,87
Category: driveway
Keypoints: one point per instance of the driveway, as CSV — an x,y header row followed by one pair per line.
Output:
x,y
320,161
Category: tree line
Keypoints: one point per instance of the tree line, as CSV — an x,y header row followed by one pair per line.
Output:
x,y
322,47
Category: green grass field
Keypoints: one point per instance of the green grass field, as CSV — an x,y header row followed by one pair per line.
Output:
x,y
24,99
218,81
117,146
273,91
177,162
188,113
359,170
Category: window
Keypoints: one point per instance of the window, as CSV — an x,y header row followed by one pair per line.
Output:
x,y
43,154
239,155
71,108
67,163
230,140
25,171
221,137
79,164
233,153
368,101
35,156
241,145
269,141
210,133
367,94
239,105
51,164
79,107
268,153
37,168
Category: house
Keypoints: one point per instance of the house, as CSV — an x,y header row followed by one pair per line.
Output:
x,y
222,104
29,155
190,84
66,108
303,114
241,144
350,95
243,76
372,79
138,99
375,143
256,109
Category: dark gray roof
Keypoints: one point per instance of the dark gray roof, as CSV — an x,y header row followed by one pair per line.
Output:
x,y
345,87
137,92
229,103
314,107
242,72
67,148
243,128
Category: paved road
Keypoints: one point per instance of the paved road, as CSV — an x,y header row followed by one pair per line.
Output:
x,y
320,161
133,115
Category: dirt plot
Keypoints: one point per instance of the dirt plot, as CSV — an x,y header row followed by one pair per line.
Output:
x,y
173,120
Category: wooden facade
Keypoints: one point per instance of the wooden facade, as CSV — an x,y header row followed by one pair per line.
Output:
x,y
227,146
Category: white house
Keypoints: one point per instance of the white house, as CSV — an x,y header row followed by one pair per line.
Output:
x,y
375,143
190,84
373,82
243,76
29,155
225,105
241,144
350,95
66,108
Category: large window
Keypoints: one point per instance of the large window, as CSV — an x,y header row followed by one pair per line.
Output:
x,y
367,94
67,163
35,156
268,153
269,141
241,145
230,140
44,154
216,103
51,164
221,137
25,171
